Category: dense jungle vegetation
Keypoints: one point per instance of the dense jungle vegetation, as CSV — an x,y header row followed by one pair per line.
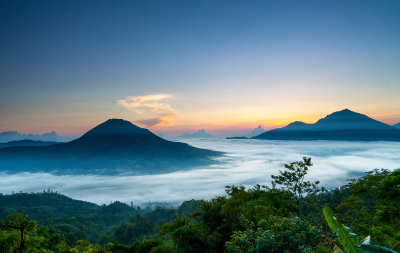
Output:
x,y
287,217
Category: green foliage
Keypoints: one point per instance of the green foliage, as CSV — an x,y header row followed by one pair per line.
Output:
x,y
9,240
80,220
292,178
136,228
17,234
188,236
276,234
188,207
346,240
349,240
373,208
86,247
387,211
208,229
368,248
258,219
153,246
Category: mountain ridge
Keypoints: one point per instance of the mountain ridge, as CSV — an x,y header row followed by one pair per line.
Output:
x,y
27,143
8,136
340,125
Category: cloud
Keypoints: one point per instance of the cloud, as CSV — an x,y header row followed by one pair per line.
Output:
x,y
149,122
154,107
248,162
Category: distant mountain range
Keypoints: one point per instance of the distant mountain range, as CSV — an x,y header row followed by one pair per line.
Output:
x,y
199,134
341,125
113,146
397,125
16,136
26,143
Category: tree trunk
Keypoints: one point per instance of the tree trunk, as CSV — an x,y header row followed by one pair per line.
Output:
x,y
22,244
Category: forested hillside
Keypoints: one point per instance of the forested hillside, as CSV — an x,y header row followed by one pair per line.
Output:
x,y
287,216
80,220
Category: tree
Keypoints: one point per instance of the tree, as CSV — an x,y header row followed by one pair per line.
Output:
x,y
293,180
18,234
212,225
276,234
373,207
19,222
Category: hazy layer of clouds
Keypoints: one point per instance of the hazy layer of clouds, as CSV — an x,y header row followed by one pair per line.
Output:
x,y
154,108
248,162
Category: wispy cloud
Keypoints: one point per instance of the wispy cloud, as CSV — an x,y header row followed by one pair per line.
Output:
x,y
154,107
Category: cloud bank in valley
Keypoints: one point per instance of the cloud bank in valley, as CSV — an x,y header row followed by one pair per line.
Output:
x,y
154,107
248,162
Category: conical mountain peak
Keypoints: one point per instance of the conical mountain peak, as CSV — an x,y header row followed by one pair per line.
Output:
x,y
297,123
113,145
347,119
346,113
119,134
115,121
117,126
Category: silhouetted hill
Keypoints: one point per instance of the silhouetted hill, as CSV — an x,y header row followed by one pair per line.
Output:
x,y
397,125
16,136
56,203
341,125
26,143
113,146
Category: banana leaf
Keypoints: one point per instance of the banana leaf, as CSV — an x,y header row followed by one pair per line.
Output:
x,y
369,248
344,236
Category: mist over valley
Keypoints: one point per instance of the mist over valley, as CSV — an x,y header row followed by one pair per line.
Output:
x,y
247,162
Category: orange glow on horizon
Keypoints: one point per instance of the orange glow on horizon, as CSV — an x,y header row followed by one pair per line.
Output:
x,y
76,127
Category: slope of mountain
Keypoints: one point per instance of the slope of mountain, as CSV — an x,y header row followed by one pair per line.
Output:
x,y
341,125
26,143
111,147
397,125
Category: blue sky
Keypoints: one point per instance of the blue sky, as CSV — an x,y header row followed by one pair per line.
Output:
x,y
219,65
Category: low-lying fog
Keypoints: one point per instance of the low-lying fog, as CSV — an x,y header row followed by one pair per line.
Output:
x,y
248,162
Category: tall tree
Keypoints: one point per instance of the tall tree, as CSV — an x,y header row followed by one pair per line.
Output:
x,y
18,222
292,178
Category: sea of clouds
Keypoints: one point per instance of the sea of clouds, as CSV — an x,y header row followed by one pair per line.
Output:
x,y
248,162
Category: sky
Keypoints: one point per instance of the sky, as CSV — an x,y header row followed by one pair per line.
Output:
x,y
177,66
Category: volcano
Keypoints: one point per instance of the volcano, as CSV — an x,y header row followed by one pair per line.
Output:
x,y
115,146
341,125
